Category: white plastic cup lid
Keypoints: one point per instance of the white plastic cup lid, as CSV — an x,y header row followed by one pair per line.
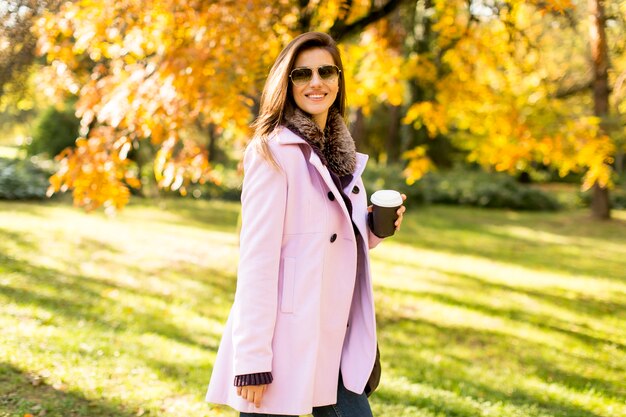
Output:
x,y
386,198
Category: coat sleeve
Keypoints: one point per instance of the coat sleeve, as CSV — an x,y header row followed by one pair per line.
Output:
x,y
263,203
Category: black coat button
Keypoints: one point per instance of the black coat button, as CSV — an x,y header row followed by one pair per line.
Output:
x,y
333,237
355,190
331,196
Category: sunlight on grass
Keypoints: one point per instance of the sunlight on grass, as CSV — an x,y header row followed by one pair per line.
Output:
x,y
619,214
11,152
481,313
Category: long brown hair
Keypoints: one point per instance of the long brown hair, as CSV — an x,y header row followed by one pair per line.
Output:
x,y
277,98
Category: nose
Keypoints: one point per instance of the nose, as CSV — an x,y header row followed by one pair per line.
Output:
x,y
315,80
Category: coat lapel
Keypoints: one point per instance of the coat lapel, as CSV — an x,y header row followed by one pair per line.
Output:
x,y
361,161
314,160
323,171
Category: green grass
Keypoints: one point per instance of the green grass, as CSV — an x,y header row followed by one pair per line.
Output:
x,y
481,312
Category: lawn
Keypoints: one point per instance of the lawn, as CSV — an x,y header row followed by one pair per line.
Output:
x,y
480,312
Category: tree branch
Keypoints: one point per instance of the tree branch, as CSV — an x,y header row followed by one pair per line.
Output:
x,y
340,29
344,10
304,21
573,90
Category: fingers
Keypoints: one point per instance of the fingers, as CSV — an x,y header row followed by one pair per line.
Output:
x,y
252,393
400,214
247,393
403,197
250,396
370,208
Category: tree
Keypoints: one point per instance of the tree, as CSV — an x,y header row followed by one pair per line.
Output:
x,y
151,70
496,90
501,81
600,205
17,42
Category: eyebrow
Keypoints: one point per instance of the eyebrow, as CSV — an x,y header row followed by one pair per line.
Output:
x,y
318,66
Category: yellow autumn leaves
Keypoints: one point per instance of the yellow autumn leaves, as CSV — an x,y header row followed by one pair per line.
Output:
x,y
156,70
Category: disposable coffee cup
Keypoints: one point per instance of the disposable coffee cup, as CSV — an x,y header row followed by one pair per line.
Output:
x,y
385,204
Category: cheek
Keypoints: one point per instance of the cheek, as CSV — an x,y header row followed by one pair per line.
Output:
x,y
335,92
296,94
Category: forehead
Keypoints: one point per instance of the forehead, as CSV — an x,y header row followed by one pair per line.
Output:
x,y
314,58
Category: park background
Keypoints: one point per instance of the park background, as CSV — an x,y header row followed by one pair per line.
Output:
x,y
123,125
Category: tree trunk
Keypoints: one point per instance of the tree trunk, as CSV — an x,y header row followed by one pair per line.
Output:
x,y
619,162
392,141
600,205
212,145
358,129
600,202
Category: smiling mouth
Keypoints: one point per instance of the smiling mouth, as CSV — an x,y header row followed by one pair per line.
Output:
x,y
316,96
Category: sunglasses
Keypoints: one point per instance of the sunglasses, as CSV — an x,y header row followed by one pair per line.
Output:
x,y
304,75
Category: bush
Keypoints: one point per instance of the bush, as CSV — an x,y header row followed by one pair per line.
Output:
x,y
54,131
617,197
22,180
462,187
228,189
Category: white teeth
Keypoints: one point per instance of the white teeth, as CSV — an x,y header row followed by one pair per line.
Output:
x,y
316,96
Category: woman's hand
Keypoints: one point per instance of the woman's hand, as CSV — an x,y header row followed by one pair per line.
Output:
x,y
400,213
252,393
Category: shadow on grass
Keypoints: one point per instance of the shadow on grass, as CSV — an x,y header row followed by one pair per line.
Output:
x,y
17,239
33,207
21,394
26,245
541,321
450,385
491,234
212,214
105,305
596,309
194,376
93,246
83,298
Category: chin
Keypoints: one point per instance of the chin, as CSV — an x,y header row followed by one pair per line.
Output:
x,y
315,110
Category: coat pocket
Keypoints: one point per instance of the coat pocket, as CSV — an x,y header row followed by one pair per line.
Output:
x,y
289,272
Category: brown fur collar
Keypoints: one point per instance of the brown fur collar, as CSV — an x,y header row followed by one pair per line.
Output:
x,y
334,145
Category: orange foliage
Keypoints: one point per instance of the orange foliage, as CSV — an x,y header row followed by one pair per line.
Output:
x,y
495,98
153,70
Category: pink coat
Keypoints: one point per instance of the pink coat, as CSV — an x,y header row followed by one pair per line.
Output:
x,y
294,312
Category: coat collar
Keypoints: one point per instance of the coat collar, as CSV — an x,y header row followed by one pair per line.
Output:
x,y
334,145
287,137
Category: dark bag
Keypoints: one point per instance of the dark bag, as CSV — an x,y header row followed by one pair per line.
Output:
x,y
374,380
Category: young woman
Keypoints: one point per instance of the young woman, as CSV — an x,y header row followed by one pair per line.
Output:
x,y
301,336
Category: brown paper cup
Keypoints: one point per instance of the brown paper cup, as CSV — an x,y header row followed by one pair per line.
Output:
x,y
385,204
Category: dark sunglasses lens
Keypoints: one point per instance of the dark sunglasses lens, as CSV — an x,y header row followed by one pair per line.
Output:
x,y
328,72
301,75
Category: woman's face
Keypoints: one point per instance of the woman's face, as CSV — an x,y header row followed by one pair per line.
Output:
x,y
316,96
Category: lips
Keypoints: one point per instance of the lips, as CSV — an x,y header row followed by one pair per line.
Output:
x,y
316,96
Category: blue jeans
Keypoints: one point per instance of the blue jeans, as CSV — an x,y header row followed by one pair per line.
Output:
x,y
348,404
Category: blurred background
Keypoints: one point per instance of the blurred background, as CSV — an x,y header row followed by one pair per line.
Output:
x,y
122,126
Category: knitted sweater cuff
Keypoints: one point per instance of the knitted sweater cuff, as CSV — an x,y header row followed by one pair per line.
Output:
x,y
261,378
